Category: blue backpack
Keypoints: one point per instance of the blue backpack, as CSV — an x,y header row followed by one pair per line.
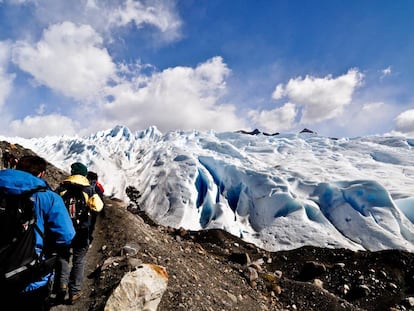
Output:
x,y
19,263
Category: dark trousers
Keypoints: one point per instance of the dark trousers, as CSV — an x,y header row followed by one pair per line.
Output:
x,y
36,300
73,277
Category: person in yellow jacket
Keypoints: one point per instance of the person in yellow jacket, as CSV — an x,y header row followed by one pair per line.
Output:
x,y
80,199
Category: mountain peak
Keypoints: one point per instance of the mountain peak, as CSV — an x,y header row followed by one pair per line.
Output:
x,y
120,131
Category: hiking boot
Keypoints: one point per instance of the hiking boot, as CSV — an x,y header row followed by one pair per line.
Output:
x,y
61,294
74,297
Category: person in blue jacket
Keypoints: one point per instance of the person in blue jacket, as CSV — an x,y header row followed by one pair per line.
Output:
x,y
53,220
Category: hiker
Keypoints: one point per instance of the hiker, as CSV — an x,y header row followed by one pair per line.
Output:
x,y
80,199
6,158
13,161
53,233
99,189
93,180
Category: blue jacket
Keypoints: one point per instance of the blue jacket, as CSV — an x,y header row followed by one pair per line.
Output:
x,y
50,210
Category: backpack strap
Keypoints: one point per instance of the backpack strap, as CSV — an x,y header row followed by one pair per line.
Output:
x,y
29,193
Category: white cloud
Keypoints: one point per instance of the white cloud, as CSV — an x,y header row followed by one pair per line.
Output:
x,y
176,98
105,16
91,4
366,118
404,123
69,59
18,1
372,107
386,72
320,98
278,92
6,79
40,126
41,109
159,14
278,119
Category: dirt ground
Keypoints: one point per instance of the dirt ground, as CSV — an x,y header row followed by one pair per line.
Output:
x,y
209,270
194,275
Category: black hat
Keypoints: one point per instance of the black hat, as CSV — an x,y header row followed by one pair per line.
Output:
x,y
92,176
78,168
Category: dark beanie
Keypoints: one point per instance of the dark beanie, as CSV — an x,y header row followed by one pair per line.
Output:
x,y
92,176
78,168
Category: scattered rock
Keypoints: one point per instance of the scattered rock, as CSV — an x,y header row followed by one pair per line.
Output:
x,y
311,270
138,290
240,258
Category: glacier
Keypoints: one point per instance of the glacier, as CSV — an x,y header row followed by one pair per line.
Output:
x,y
279,192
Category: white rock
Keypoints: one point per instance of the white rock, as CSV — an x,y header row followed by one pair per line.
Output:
x,y
139,290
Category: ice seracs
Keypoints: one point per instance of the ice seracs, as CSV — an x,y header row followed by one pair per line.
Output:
x,y
279,192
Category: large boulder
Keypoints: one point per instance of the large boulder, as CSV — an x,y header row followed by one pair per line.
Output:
x,y
139,290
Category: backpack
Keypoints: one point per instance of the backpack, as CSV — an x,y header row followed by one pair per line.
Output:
x,y
100,187
19,263
75,201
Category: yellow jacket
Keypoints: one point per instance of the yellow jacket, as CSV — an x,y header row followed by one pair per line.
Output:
x,y
91,197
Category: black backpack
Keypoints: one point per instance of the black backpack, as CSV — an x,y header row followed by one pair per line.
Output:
x,y
19,263
74,197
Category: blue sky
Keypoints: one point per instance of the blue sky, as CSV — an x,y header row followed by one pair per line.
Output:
x,y
341,68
